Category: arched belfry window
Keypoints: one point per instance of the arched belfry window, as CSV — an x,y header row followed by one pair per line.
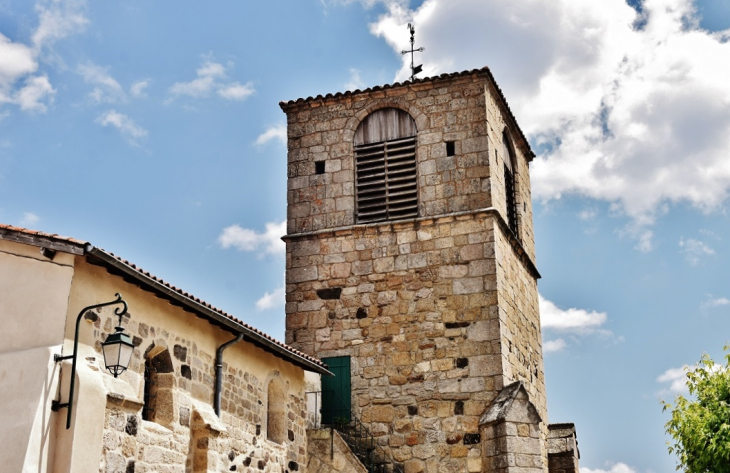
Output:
x,y
385,161
509,181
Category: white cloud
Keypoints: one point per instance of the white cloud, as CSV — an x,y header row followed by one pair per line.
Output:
x,y
31,96
58,19
236,91
18,60
28,219
272,300
123,123
588,214
276,132
715,302
392,27
578,321
644,240
106,88
677,377
694,250
639,117
573,323
138,88
21,83
212,78
245,239
710,234
552,346
615,468
355,81
204,84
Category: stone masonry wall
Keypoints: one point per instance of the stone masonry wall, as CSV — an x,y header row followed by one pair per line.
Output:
x,y
186,435
417,315
466,110
520,324
496,124
563,454
437,313
324,130
330,455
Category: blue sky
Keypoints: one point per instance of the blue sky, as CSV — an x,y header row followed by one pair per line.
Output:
x,y
155,133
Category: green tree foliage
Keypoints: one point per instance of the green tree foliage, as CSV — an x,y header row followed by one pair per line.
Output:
x,y
700,427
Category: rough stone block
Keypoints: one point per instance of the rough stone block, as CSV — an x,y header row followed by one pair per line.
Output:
x,y
414,466
485,365
455,271
468,285
360,268
483,330
298,275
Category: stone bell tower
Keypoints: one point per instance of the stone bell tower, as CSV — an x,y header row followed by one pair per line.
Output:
x,y
410,255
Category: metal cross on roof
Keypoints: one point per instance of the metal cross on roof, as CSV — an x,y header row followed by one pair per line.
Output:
x,y
414,69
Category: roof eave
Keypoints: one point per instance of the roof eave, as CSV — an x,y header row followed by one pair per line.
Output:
x,y
206,312
42,240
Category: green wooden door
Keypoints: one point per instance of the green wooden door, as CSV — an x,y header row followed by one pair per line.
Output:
x,y
336,395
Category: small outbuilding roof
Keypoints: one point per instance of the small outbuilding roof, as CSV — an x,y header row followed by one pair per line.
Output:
x,y
174,295
502,404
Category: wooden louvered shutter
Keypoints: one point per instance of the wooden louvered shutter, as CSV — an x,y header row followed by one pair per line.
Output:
x,y
385,157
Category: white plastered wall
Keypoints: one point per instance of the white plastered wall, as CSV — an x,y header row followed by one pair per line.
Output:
x,y
33,304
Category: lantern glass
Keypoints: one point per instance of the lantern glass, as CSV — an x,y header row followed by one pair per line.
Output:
x,y
117,349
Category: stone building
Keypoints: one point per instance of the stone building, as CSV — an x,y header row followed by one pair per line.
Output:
x,y
410,276
411,270
158,416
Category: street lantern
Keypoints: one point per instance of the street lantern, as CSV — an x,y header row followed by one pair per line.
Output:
x,y
117,348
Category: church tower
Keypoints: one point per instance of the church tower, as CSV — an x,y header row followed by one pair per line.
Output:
x,y
410,270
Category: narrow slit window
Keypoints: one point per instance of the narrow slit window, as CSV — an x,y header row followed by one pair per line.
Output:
x,y
450,148
509,182
385,160
150,378
319,167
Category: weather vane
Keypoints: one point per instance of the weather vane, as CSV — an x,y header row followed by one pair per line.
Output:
x,y
414,69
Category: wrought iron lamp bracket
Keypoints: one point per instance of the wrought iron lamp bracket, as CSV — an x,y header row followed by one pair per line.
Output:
x,y
119,311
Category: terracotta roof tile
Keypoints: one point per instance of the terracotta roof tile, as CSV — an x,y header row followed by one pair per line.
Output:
x,y
53,236
219,311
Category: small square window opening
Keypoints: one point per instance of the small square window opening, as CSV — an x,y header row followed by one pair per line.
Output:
x,y
319,167
450,148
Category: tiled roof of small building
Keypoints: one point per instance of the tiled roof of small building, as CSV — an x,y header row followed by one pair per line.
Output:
x,y
37,238
35,233
446,76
